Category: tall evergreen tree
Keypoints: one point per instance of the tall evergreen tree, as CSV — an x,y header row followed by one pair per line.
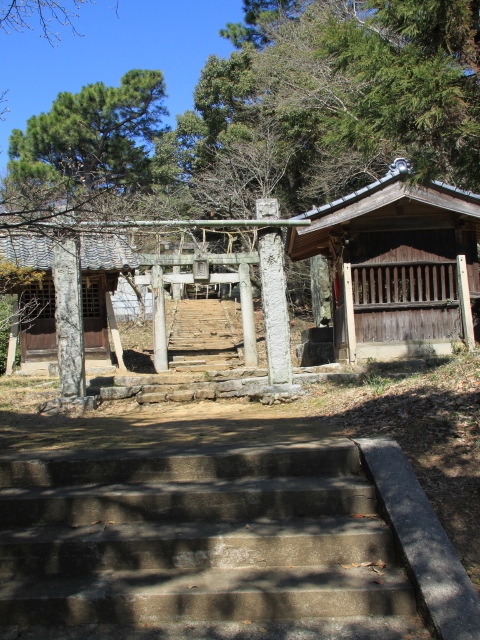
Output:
x,y
417,64
100,136
259,13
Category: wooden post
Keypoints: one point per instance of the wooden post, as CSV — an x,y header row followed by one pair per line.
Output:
x,y
349,313
12,341
320,286
465,305
112,321
160,350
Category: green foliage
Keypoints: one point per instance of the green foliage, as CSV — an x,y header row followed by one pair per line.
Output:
x,y
379,384
321,96
224,91
5,315
258,15
431,26
100,136
417,92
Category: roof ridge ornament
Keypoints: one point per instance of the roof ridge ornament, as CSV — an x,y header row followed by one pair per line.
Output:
x,y
400,166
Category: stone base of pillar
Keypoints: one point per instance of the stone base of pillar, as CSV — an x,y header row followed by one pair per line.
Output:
x,y
69,406
278,393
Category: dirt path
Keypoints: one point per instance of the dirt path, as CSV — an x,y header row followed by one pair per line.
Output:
x,y
125,424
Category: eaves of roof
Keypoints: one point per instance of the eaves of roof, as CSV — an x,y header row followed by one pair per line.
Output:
x,y
387,190
99,252
397,171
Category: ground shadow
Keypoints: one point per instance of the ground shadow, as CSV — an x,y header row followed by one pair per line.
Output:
x,y
432,422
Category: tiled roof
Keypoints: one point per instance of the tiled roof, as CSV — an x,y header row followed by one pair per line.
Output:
x,y
99,252
397,169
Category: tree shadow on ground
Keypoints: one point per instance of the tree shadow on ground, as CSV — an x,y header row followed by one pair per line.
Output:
x,y
278,593
425,422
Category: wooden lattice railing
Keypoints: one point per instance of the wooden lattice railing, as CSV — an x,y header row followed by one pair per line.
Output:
x,y
406,284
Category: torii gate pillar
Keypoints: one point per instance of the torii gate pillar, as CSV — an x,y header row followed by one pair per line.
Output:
x,y
160,347
250,353
274,301
69,316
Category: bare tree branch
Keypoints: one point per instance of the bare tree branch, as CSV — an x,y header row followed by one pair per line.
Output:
x,y
18,15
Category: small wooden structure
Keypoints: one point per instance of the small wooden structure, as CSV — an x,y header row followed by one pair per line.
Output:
x,y
103,258
405,266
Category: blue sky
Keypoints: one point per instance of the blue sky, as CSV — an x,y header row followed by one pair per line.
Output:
x,y
175,37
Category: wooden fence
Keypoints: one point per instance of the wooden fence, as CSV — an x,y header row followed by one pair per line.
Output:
x,y
404,285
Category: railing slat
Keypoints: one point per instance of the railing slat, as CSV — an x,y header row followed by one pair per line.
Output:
x,y
443,280
419,284
451,283
356,291
364,286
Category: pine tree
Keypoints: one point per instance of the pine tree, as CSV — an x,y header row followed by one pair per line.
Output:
x,y
259,13
100,136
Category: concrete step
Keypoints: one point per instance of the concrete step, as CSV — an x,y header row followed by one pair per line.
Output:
x,y
336,628
333,457
201,326
203,359
200,345
148,597
297,543
224,535
246,499
203,364
218,366
196,344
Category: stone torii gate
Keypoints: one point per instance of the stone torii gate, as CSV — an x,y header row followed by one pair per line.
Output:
x,y
69,320
200,274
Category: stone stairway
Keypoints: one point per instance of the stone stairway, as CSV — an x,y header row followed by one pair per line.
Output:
x,y
270,535
202,337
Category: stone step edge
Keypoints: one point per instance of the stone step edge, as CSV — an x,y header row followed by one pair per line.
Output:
x,y
286,485
255,594
201,387
360,627
324,445
335,457
341,526
178,502
90,549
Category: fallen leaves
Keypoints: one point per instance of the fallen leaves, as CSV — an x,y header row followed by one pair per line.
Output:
x,y
374,566
377,563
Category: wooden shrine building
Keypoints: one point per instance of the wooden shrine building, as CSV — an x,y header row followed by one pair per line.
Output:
x,y
103,258
404,262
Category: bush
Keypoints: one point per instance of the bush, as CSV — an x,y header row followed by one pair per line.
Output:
x,y
5,315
